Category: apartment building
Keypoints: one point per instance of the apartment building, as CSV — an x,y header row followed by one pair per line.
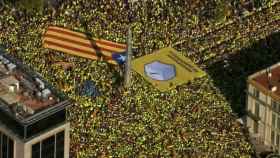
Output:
x,y
263,108
32,114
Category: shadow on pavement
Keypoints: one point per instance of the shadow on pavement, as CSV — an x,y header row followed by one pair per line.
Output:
x,y
230,74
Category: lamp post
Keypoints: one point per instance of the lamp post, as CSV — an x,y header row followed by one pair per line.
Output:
x,y
128,60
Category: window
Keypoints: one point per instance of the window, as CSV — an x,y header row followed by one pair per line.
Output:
x,y
0,145
60,145
257,109
256,126
274,105
272,137
273,120
256,93
47,147
6,146
278,123
277,139
11,148
52,147
36,150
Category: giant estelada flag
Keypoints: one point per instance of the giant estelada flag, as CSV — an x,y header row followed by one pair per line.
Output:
x,y
76,43
166,68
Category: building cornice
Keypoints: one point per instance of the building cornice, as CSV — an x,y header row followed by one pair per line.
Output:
x,y
264,90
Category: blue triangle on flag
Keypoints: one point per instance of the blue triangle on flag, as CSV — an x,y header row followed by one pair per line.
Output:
x,y
120,58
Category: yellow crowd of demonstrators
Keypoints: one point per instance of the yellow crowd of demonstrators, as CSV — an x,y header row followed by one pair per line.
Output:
x,y
193,119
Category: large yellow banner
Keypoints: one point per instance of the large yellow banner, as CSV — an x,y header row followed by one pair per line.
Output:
x,y
166,68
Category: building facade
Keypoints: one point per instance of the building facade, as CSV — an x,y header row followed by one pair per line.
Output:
x,y
32,114
263,108
54,143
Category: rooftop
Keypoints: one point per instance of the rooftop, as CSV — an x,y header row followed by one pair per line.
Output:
x,y
25,95
268,80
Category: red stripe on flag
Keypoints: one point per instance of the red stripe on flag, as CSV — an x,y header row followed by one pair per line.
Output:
x,y
113,44
75,49
79,43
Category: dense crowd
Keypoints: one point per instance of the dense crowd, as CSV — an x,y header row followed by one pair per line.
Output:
x,y
193,120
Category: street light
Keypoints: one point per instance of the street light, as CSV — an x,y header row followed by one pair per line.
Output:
x,y
128,60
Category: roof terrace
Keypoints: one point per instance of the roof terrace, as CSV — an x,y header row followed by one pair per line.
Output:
x,y
24,95
268,81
